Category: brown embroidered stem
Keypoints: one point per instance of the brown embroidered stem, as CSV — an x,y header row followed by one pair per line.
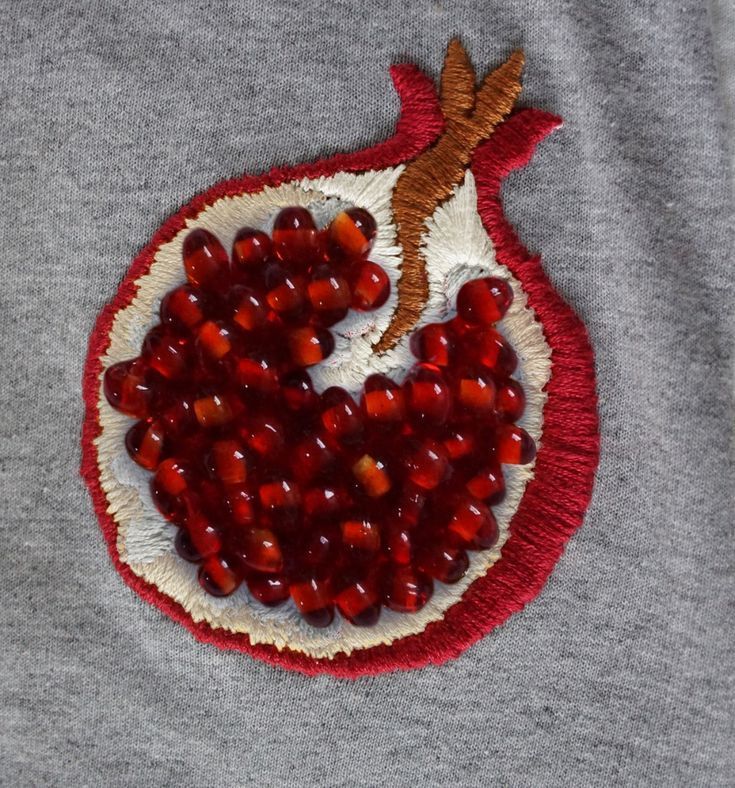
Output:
x,y
471,114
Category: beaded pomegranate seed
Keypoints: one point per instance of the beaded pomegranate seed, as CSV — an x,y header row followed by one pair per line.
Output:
x,y
352,232
127,388
205,259
219,576
515,445
359,603
295,237
510,401
269,590
313,600
484,301
370,286
432,344
144,442
183,307
251,249
407,590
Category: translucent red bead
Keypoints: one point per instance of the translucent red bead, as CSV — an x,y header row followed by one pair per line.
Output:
x,y
338,503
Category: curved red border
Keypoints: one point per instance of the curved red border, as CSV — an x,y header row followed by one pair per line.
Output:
x,y
569,451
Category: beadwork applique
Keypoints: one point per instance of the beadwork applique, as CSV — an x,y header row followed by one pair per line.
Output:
x,y
336,415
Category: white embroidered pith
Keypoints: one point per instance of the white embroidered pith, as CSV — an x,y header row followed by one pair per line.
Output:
x,y
456,249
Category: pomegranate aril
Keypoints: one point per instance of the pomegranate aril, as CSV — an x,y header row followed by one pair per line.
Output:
x,y
443,563
510,401
285,292
515,446
428,397
310,458
212,411
240,505
372,475
126,387
407,590
359,603
165,352
474,394
250,310
432,344
171,477
319,548
182,308
295,237
214,340
490,348
309,345
219,576
298,391
329,295
314,601
362,535
486,535
399,544
263,434
185,548
382,400
484,301
351,233
426,464
204,258
257,375
261,550
250,249
487,484
370,286
409,506
204,537
469,516
269,590
228,463
279,494
325,501
144,442
459,442
340,414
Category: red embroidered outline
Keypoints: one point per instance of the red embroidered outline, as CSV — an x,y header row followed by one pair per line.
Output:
x,y
566,461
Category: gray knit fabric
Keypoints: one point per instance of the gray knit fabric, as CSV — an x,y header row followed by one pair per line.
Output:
x,y
112,115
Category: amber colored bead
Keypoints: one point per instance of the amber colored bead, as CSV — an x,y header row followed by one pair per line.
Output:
x,y
359,603
171,476
352,232
250,311
370,286
325,501
340,414
212,411
446,564
285,292
313,600
459,442
165,352
469,516
295,236
372,475
484,301
490,348
515,446
428,396
263,434
261,550
204,257
432,344
426,464
182,307
474,393
250,249
280,494
329,295
488,484
298,391
203,535
310,457
229,465
257,374
240,504
399,544
214,340
144,442
309,345
362,535
382,400
127,389
510,401
407,590
269,590
219,576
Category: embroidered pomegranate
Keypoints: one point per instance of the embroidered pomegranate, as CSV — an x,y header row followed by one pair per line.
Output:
x,y
314,406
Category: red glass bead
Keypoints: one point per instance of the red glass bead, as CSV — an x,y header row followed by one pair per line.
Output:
x,y
184,547
261,550
372,475
432,344
310,458
257,374
515,446
212,411
263,434
325,501
280,494
229,465
250,311
177,415
171,476
127,389
459,442
204,257
309,345
426,464
370,286
313,600
490,348
427,396
320,548
474,393
219,576
359,603
295,237
399,545
409,506
486,535
488,484
204,537
286,292
214,340
351,233
144,442
382,400
250,249
298,391
240,505
269,590
165,352
469,516
510,401
484,301
446,564
407,590
182,307
340,415
329,295
361,535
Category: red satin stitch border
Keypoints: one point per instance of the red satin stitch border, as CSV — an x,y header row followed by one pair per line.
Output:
x,y
570,442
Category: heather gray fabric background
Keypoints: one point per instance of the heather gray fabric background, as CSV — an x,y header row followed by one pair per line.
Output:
x,y
112,115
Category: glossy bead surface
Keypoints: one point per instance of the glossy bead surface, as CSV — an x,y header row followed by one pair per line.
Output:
x,y
144,442
126,387
313,600
182,307
372,475
250,310
261,550
487,484
359,603
205,259
362,535
340,414
329,295
383,400
484,301
515,446
428,397
510,401
214,340
310,345
269,590
352,232
426,464
489,347
257,375
407,590
212,411
229,465
446,564
251,249
218,576
286,292
165,352
432,344
469,516
474,393
295,237
370,286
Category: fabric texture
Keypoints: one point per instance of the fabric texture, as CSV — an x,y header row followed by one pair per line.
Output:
x,y
620,672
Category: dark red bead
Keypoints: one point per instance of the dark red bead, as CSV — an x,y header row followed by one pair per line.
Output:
x,y
428,397
444,563
257,375
490,348
182,307
310,457
313,600
261,550
184,547
382,400
279,494
298,391
214,340
285,292
264,434
228,462
459,442
510,401
127,389
351,233
325,501
340,414
250,249
469,517
205,538
399,544
370,286
474,393
250,311
144,442
213,410
432,344
166,353
359,603
310,345
329,295
362,535
484,301
295,237
426,463
488,484
269,590
205,259
515,446
407,590
219,576
240,504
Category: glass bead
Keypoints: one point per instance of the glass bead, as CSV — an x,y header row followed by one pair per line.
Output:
x,y
126,387
279,494
372,475
359,603
309,345
165,352
445,564
144,442
340,414
484,301
212,411
428,396
269,590
250,249
205,259
261,550
515,446
313,600
214,340
285,292
219,576
298,391
362,535
469,516
382,400
295,237
257,375
510,401
351,233
250,310
182,308
432,344
229,464
264,434
310,458
329,295
370,286
490,348
426,464
407,590
488,484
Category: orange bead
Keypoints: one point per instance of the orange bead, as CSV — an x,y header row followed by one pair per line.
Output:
x,y
382,400
370,286
250,249
361,535
313,600
213,340
351,233
212,411
515,446
219,576
144,442
372,475
228,462
310,345
204,257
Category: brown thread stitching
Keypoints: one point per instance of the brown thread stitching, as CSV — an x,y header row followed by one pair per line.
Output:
x,y
471,114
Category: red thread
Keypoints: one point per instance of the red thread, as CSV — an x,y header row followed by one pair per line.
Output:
x,y
555,500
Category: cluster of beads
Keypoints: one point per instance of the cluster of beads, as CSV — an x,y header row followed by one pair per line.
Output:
x,y
334,501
